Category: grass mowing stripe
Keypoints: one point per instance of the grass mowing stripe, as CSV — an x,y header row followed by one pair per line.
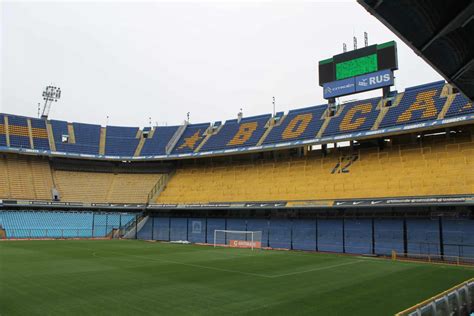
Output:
x,y
134,277
242,272
317,269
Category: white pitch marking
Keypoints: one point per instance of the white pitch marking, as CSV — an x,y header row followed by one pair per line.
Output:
x,y
228,270
317,269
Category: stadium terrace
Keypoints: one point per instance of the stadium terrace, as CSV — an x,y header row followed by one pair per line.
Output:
x,y
387,177
422,107
357,208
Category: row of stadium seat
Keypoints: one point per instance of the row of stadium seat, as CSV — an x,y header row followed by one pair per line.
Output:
x,y
34,224
104,187
121,141
417,104
25,178
437,168
233,133
82,138
430,168
31,178
358,236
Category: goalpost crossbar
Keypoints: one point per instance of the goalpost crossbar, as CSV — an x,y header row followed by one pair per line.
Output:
x,y
237,241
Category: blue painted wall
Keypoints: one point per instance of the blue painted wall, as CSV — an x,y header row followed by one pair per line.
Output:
x,y
358,236
423,236
304,234
330,237
388,235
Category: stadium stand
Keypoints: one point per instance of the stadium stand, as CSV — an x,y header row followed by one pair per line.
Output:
x,y
39,134
399,170
354,116
3,136
121,141
191,138
77,186
426,163
418,104
234,134
37,224
81,138
25,177
297,124
18,131
460,106
88,136
156,144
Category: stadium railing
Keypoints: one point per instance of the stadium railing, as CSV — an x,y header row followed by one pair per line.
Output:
x,y
159,186
433,258
458,300
38,233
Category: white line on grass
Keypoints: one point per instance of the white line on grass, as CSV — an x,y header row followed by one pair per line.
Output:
x,y
191,265
247,273
317,269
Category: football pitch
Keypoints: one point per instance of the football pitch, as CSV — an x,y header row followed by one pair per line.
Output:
x,y
125,277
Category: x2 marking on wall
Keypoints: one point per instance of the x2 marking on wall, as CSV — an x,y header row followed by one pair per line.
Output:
x,y
344,164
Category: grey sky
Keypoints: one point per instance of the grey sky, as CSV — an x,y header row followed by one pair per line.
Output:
x,y
133,60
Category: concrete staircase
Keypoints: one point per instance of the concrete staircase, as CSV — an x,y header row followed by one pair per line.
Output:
x,y
7,131
49,130
70,131
103,136
30,133
327,120
269,126
159,186
174,140
134,227
449,100
139,148
209,132
384,109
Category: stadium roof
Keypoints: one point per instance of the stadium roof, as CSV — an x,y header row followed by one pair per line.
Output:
x,y
439,31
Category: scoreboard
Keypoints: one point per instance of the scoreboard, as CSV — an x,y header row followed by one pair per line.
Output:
x,y
359,62
356,67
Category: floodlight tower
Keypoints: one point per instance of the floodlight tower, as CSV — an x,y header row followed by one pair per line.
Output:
x,y
50,94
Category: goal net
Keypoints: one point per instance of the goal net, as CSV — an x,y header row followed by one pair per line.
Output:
x,y
238,239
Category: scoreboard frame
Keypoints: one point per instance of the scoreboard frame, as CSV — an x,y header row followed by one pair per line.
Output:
x,y
357,62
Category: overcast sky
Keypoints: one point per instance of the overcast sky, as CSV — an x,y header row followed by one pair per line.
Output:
x,y
135,60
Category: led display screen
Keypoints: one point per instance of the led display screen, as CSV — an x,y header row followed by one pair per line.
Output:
x,y
356,67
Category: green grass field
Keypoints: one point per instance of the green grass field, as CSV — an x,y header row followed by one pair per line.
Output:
x,y
122,277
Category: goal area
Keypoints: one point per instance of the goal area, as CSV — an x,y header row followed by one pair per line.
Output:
x,y
238,239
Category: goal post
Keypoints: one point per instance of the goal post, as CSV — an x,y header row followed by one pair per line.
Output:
x,y
238,239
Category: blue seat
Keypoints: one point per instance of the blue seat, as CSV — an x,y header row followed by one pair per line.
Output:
x,y
235,134
193,135
418,104
70,224
299,124
460,106
121,141
156,145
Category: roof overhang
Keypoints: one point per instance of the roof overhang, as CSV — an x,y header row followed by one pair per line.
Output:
x,y
439,31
